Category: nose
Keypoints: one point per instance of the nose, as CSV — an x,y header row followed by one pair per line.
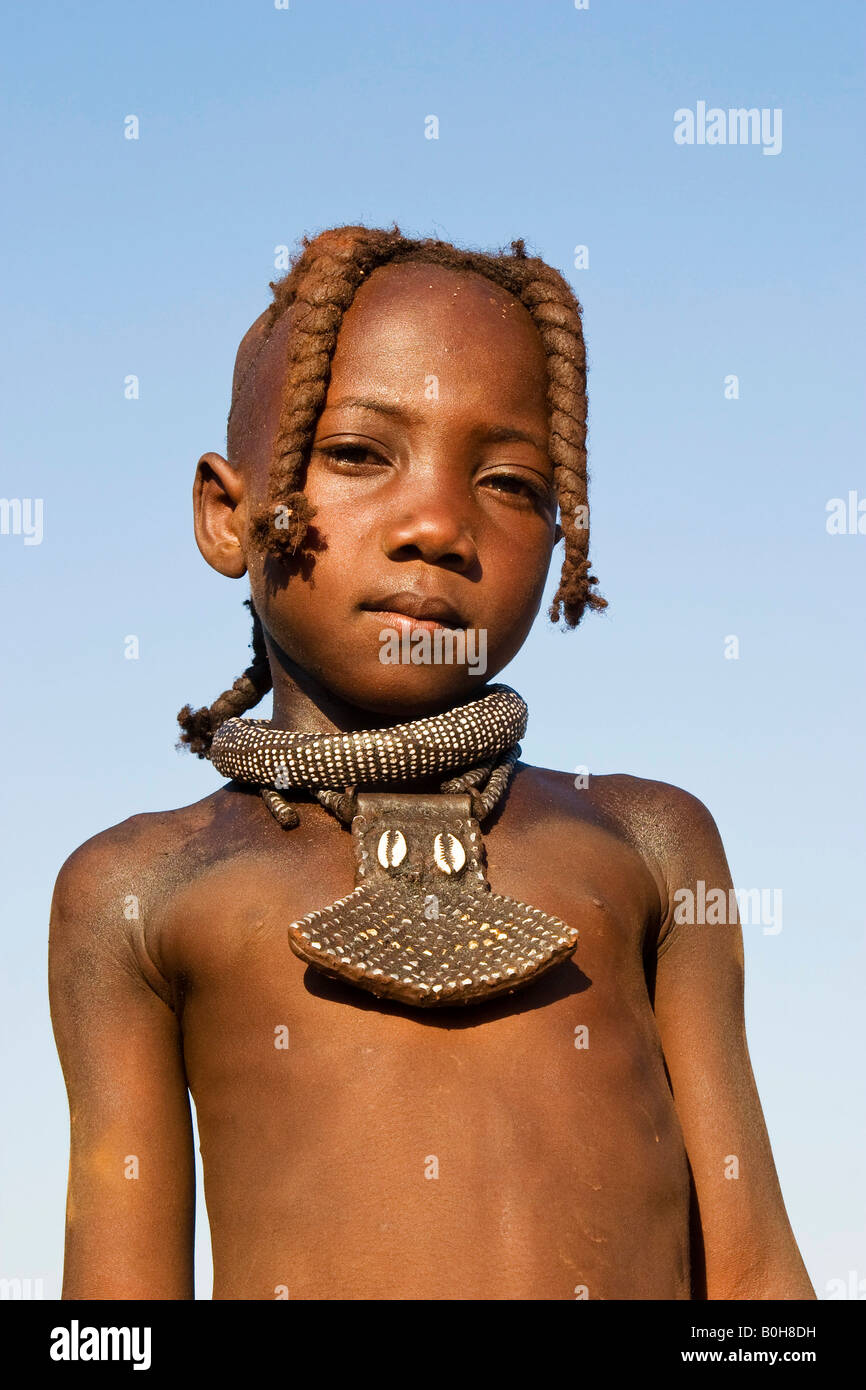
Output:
x,y
431,521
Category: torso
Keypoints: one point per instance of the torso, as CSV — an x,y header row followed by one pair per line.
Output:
x,y
392,1153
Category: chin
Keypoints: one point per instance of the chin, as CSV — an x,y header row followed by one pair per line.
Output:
x,y
399,693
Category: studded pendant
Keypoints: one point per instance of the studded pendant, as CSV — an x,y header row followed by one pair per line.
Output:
x,y
422,925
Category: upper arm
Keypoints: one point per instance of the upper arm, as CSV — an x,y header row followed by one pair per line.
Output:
x,y
749,1249
131,1195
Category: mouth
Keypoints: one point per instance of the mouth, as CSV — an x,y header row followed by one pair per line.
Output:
x,y
426,611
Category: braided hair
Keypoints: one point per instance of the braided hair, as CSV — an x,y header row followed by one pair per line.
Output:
x,y
316,292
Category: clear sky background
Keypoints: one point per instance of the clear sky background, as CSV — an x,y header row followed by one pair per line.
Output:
x,y
151,257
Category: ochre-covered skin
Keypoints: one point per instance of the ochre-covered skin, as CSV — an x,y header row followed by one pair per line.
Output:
x,y
558,1166
572,1140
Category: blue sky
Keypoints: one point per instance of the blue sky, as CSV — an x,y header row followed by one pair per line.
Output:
x,y
151,257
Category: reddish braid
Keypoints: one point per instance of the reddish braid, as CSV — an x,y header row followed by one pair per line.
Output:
x,y
198,726
318,289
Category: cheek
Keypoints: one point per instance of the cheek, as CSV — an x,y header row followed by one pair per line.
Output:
x,y
515,572
516,564
347,523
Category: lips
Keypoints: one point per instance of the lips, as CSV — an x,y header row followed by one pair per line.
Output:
x,y
429,609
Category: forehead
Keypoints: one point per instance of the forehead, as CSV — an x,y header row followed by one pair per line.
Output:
x,y
407,323
414,319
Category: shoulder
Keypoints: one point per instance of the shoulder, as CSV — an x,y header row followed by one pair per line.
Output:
x,y
138,844
112,892
669,828
674,834
659,814
665,817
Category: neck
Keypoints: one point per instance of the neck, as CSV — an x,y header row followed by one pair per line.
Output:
x,y
302,704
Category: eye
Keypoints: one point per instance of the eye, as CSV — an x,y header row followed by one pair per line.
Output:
x,y
351,457
505,483
518,487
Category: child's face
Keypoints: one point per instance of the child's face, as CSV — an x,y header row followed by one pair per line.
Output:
x,y
430,475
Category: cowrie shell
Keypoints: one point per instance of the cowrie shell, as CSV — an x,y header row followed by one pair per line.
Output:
x,y
449,854
392,848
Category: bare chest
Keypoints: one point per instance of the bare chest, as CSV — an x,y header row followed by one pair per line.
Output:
x,y
517,1148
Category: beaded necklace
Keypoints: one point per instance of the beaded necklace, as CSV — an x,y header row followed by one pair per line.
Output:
x,y
422,925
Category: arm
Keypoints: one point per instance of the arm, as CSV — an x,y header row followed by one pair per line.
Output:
x,y
120,1048
743,1235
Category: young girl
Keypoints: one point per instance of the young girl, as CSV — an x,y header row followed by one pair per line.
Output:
x,y
445,1037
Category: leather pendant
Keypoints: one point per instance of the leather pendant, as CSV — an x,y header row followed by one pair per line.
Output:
x,y
422,925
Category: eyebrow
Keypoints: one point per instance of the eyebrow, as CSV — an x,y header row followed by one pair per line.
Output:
x,y
496,434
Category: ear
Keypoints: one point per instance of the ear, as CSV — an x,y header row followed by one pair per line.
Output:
x,y
218,497
558,534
